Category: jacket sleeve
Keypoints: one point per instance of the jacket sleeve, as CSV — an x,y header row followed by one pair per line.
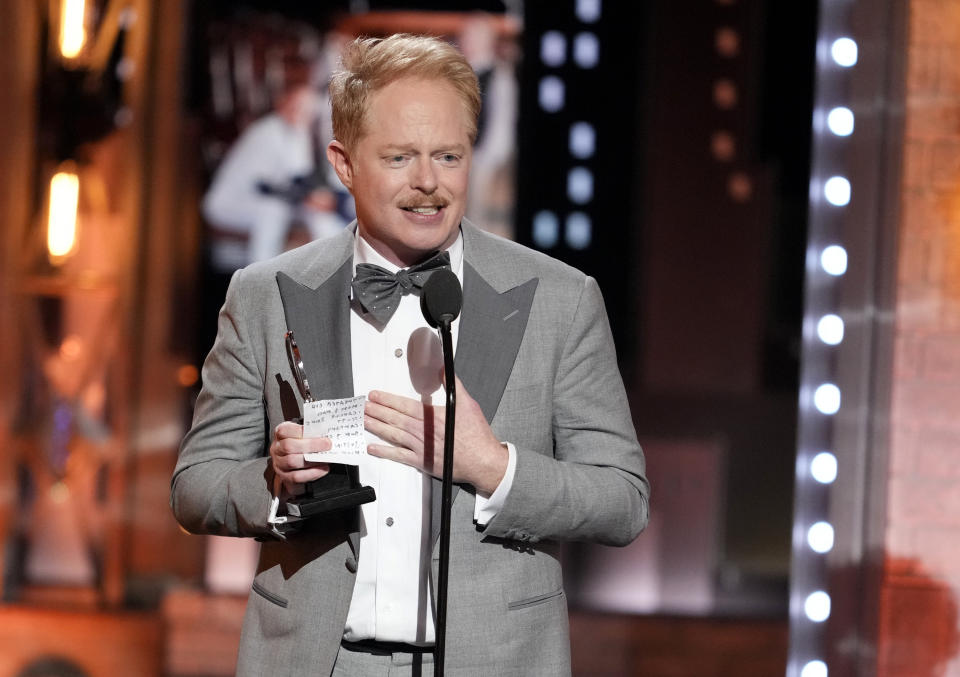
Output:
x,y
593,486
221,483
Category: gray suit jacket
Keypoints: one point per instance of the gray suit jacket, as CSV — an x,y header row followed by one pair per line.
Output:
x,y
534,350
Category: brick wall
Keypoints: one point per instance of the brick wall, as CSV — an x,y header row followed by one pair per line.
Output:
x,y
921,582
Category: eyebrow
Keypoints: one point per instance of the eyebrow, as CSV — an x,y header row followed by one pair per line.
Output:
x,y
411,148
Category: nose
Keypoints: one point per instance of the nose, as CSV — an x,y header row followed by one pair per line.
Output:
x,y
424,176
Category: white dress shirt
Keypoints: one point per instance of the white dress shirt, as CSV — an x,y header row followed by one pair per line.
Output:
x,y
392,599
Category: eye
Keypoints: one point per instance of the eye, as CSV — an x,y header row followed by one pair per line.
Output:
x,y
396,160
450,159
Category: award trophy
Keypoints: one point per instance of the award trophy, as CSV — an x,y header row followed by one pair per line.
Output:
x,y
340,488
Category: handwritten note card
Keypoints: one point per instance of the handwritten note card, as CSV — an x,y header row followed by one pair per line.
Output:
x,y
340,420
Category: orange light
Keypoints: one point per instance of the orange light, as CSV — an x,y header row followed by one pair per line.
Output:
x,y
62,216
187,375
72,32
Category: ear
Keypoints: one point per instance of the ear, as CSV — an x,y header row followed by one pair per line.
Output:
x,y
338,156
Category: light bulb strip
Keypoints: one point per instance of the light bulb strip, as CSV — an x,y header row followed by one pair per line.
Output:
x,y
821,398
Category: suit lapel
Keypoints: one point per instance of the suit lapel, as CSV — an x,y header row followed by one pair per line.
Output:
x,y
320,321
491,329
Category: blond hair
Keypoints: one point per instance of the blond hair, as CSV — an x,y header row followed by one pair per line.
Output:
x,y
369,64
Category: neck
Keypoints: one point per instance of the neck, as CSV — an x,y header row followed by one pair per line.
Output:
x,y
404,258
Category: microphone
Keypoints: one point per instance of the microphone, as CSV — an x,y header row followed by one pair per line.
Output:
x,y
441,298
440,302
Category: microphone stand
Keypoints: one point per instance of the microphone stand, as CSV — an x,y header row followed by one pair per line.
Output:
x,y
450,385
440,300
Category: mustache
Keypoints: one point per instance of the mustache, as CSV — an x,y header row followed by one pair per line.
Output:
x,y
438,202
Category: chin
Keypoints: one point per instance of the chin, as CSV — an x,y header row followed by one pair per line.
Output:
x,y
431,237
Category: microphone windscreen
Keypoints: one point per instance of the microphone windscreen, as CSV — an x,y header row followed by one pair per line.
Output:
x,y
441,297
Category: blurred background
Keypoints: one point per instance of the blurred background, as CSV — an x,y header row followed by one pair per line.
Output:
x,y
767,192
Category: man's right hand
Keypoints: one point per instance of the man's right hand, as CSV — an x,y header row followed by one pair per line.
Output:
x,y
286,454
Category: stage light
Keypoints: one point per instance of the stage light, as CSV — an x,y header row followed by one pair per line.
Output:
x,y
583,140
727,42
814,669
844,52
840,121
725,94
579,231
837,191
552,93
826,399
588,11
823,467
580,185
553,48
723,146
740,187
817,606
822,523
72,33
187,375
62,216
546,229
586,50
125,68
833,259
830,329
820,537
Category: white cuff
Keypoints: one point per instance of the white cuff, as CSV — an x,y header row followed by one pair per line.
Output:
x,y
485,509
279,525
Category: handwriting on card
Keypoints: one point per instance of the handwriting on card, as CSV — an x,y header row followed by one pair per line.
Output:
x,y
340,420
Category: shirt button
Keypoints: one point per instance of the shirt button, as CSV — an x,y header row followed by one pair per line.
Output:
x,y
389,521
398,352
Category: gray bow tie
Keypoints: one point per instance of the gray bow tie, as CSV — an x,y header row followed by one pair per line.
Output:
x,y
379,291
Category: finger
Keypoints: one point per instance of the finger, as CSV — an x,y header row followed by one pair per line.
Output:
x,y
404,405
296,483
413,425
394,435
288,429
305,475
292,462
292,445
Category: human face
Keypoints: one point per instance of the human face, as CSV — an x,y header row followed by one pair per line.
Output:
x,y
408,172
299,106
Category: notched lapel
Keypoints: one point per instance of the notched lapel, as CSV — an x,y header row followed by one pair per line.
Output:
x,y
491,329
320,321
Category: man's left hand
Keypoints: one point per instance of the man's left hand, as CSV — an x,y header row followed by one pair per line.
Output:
x,y
416,431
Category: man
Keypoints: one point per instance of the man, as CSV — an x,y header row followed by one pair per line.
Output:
x,y
256,193
545,449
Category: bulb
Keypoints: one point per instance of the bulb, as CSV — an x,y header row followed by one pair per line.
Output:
x,y
830,329
814,669
837,191
820,537
826,398
840,121
834,260
844,52
62,217
72,32
817,606
552,93
823,467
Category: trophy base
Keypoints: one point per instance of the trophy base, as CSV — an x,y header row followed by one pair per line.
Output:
x,y
338,490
